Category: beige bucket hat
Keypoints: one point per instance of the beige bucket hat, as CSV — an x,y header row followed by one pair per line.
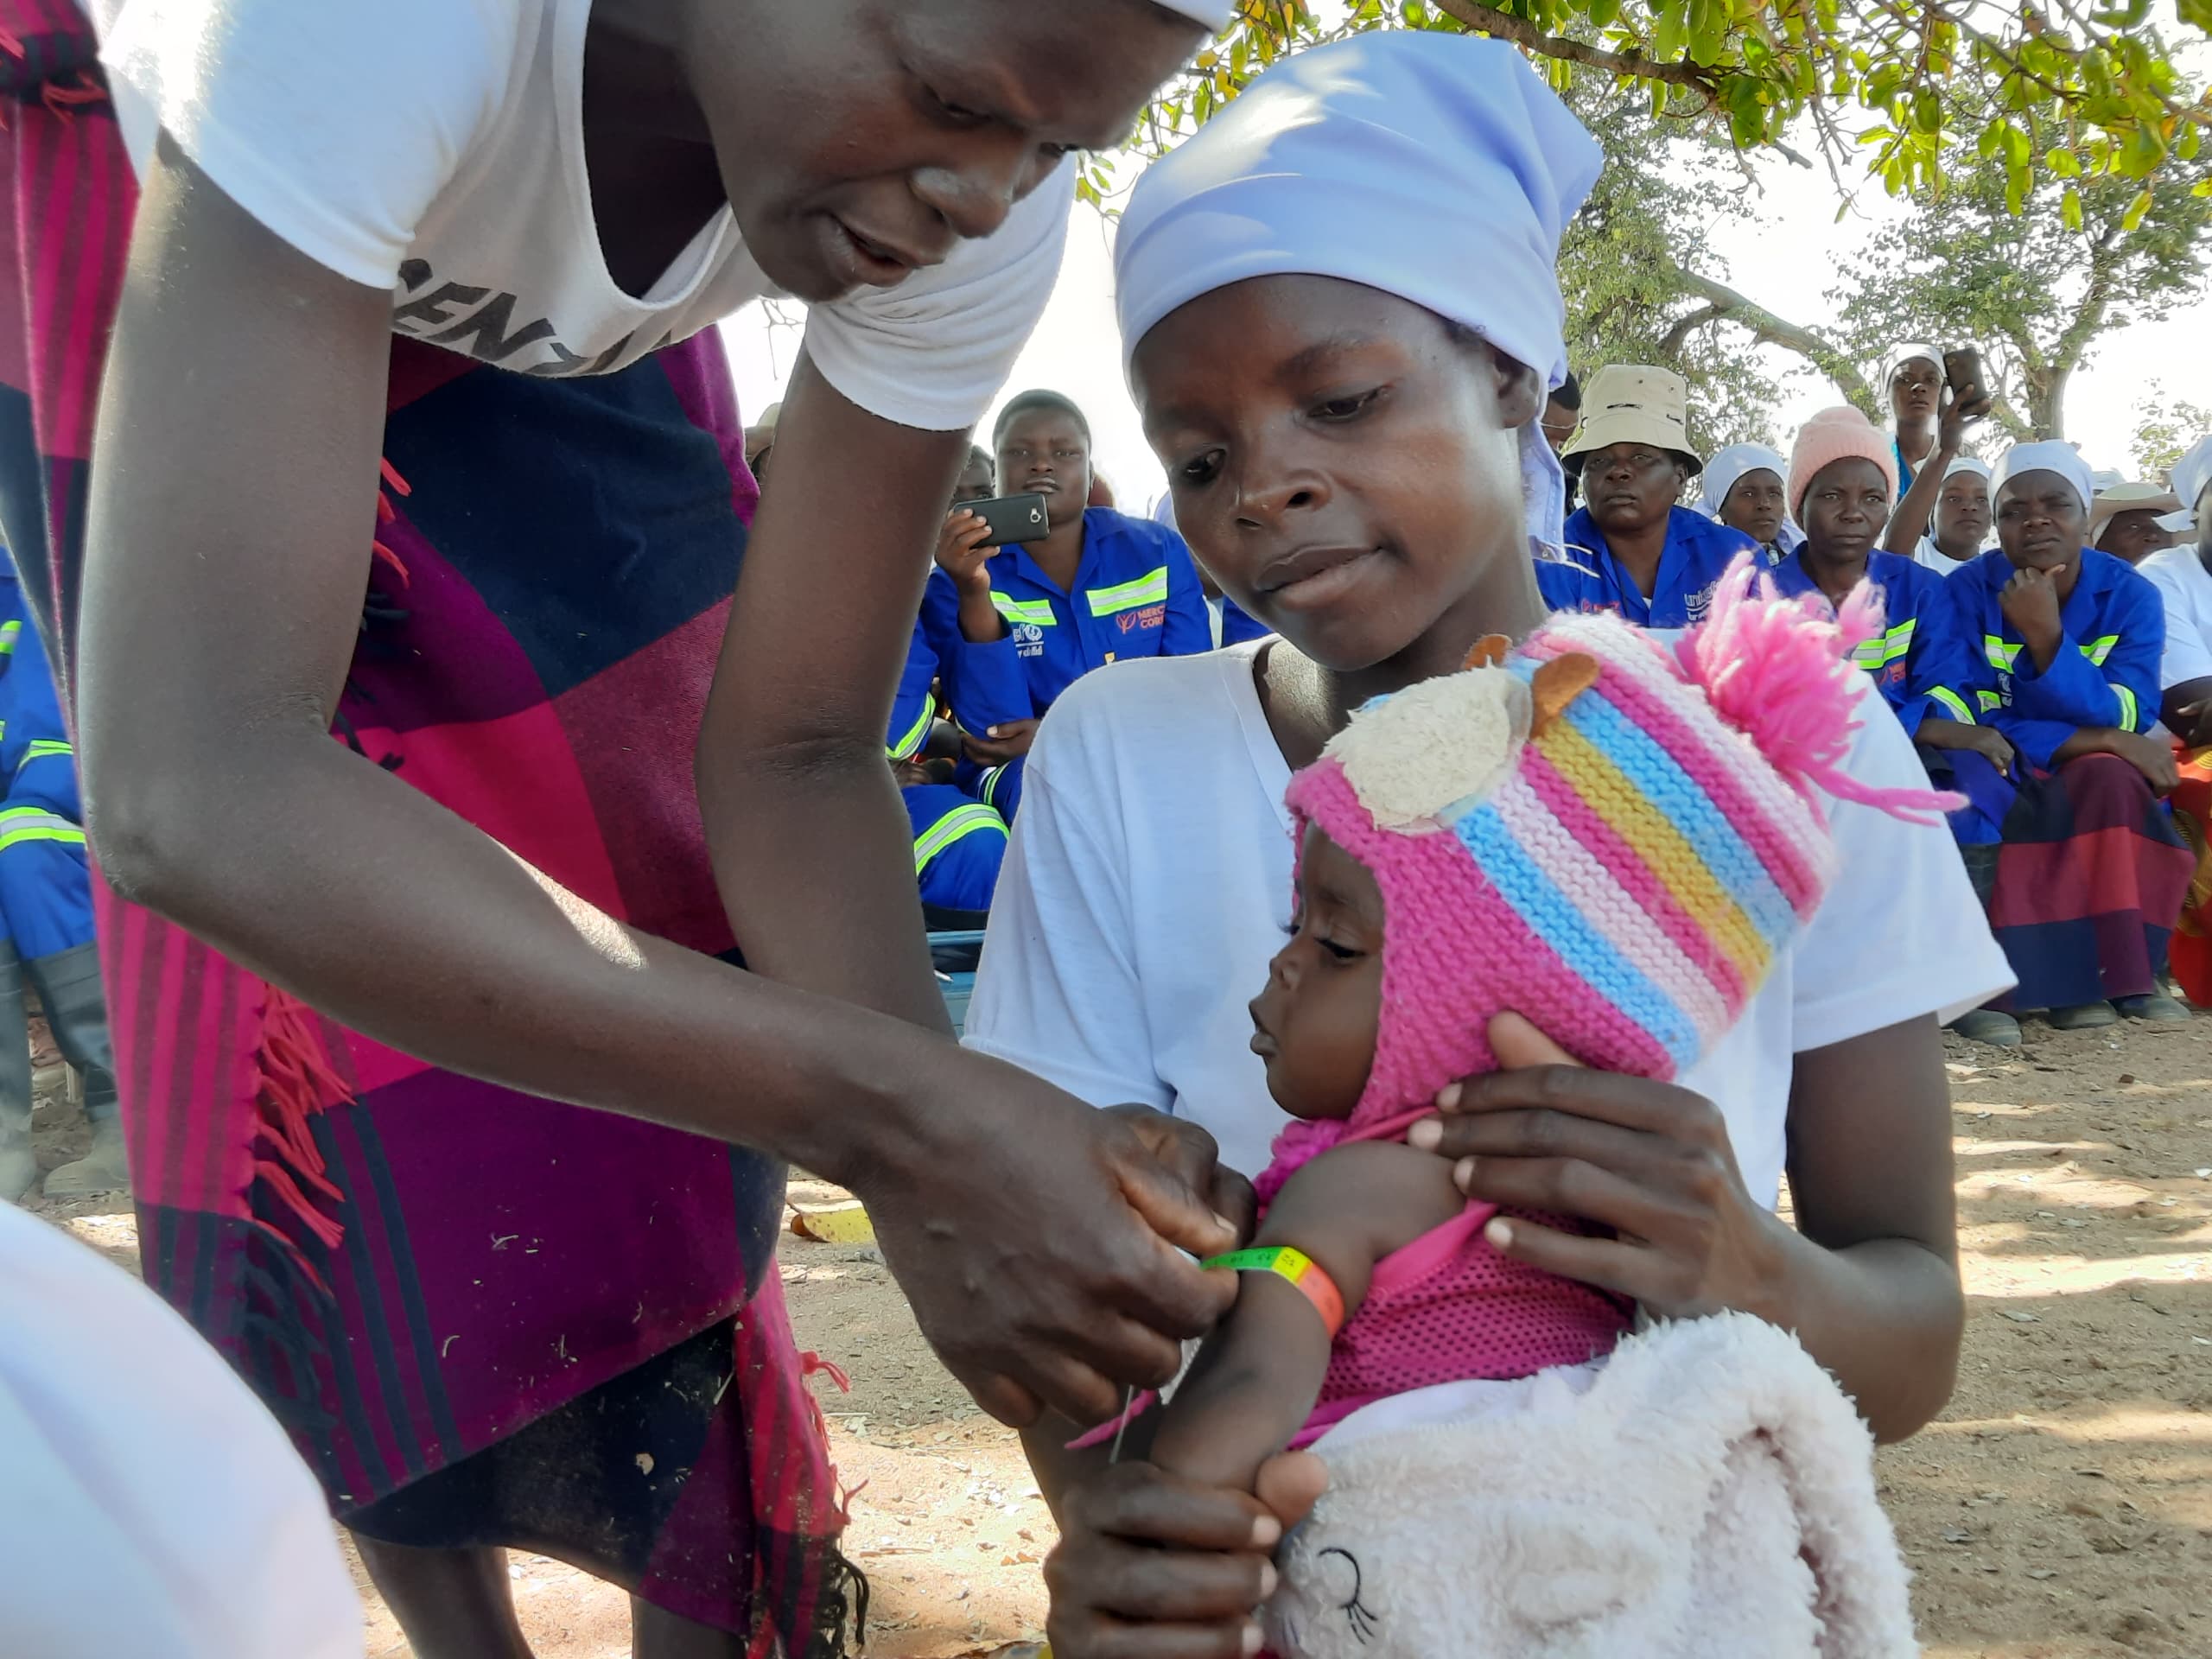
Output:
x,y
1634,402
2128,497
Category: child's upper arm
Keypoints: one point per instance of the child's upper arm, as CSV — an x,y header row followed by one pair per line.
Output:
x,y
1259,1375
1349,1208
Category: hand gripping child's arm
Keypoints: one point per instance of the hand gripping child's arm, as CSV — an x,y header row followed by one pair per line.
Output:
x,y
1255,1382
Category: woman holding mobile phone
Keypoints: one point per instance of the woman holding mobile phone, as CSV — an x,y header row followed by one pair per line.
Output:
x,y
1098,586
1957,399
364,986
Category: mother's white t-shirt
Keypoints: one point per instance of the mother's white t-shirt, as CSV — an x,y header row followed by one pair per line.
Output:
x,y
436,148
1148,884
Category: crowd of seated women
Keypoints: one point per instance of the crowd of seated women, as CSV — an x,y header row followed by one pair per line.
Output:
x,y
2063,693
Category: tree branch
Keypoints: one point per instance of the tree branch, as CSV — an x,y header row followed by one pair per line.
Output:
x,y
1728,305
2089,319
2001,409
1677,336
1523,34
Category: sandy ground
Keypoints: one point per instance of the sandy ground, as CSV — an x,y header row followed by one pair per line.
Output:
x,y
2061,1508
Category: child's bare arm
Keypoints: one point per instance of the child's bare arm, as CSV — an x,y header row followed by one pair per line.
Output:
x,y
1260,1373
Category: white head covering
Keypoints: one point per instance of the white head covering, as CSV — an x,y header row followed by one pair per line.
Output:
x,y
2049,456
1963,464
1438,168
148,1503
2192,476
1726,469
1912,351
1214,13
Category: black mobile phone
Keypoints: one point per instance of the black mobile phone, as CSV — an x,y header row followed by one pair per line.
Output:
x,y
1013,517
1962,371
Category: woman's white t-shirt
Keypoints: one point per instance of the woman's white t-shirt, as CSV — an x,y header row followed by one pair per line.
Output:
x,y
436,148
2185,587
1932,557
1148,884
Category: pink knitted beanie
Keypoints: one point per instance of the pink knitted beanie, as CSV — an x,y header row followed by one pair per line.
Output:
x,y
1610,835
1834,435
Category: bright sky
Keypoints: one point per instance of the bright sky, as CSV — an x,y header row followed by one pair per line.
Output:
x,y
1783,260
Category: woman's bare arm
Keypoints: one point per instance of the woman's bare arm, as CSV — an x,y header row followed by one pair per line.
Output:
x,y
232,504
1877,1300
811,847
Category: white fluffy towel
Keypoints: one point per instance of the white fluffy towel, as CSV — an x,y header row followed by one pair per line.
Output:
x,y
1710,1497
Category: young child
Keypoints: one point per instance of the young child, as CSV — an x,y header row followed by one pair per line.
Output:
x,y
1617,841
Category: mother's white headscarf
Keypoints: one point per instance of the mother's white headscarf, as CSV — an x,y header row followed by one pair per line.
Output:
x,y
1438,168
1727,469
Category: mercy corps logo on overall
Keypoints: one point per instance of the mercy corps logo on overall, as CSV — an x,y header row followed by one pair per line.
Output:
x,y
1152,616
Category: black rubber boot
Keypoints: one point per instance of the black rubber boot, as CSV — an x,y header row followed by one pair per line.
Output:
x,y
68,984
68,987
18,1167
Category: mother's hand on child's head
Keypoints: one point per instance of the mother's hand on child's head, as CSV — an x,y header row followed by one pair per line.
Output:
x,y
1150,1566
1192,1155
1647,1160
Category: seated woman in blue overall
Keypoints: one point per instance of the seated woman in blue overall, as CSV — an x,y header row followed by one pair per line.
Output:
x,y
959,841
1630,549
1101,588
46,919
1842,487
2074,854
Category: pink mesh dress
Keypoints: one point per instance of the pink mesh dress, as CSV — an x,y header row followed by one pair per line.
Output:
x,y
1447,1307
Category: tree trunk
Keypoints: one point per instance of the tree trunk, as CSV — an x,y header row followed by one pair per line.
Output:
x,y
2046,400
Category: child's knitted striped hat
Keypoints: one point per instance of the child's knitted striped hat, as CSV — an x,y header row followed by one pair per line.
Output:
x,y
1610,835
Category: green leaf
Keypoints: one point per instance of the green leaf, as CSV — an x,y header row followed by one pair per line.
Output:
x,y
2134,217
2063,163
1602,12
1708,29
2069,208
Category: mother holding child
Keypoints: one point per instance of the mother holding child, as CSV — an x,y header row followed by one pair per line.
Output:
x,y
1342,320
